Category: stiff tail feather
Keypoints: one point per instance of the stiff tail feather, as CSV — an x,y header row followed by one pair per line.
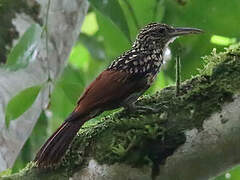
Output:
x,y
55,147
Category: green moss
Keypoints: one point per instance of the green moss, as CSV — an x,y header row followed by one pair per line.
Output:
x,y
212,61
149,138
8,11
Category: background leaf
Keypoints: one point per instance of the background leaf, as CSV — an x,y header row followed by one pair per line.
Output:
x,y
113,10
94,46
26,49
21,102
215,17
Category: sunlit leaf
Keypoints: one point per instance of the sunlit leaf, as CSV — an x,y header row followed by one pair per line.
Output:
x,y
21,102
113,10
221,40
26,49
79,57
90,26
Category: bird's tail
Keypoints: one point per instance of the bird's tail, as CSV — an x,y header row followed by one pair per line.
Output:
x,y
55,147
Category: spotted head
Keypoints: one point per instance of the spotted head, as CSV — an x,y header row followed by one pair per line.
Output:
x,y
161,35
149,50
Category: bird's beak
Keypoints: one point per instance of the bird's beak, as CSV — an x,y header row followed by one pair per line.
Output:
x,y
184,31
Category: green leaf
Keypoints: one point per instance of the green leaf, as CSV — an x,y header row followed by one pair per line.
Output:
x,y
26,49
134,11
111,34
67,89
90,25
79,57
222,40
71,90
72,83
113,10
21,102
94,46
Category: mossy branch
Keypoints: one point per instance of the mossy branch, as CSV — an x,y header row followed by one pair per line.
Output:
x,y
195,135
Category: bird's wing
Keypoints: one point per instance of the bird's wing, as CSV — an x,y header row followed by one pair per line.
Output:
x,y
107,90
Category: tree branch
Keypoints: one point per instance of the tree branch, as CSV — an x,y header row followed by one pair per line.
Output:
x,y
193,136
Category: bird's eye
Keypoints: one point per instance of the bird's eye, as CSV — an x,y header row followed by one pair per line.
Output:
x,y
161,30
158,32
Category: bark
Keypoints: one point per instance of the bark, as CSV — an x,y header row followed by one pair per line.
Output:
x,y
64,23
194,135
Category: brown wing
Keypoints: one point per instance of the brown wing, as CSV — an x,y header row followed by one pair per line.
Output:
x,y
107,91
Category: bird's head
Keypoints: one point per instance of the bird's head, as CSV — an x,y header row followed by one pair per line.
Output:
x,y
156,34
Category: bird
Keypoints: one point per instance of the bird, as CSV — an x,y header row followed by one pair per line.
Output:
x,y
119,85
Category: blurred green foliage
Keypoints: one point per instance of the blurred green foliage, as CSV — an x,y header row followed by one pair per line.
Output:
x,y
108,30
